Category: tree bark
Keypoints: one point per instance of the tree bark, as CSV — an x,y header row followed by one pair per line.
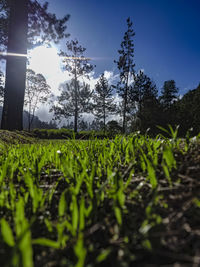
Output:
x,y
104,116
124,124
76,107
76,99
12,117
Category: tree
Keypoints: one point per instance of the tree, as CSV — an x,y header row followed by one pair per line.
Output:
x,y
72,103
168,97
43,26
83,125
27,20
37,91
169,93
143,95
69,126
186,112
113,127
77,65
3,25
1,87
138,89
15,66
96,125
103,100
149,114
126,67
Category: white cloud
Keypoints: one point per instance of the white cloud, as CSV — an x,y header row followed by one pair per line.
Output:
x,y
43,113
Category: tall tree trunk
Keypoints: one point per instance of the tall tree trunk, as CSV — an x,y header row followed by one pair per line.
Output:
x,y
29,122
104,116
124,112
124,126
76,99
76,108
12,117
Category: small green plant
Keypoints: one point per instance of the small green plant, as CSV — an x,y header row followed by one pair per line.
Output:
x,y
87,202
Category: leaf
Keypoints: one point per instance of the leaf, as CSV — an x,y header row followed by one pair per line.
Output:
x,y
62,205
169,158
151,174
80,251
25,245
7,233
74,215
103,255
121,197
147,244
45,242
82,215
118,215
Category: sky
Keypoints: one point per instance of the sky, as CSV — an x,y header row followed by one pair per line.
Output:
x,y
166,42
167,35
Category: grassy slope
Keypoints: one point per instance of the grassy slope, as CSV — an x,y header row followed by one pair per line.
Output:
x,y
17,137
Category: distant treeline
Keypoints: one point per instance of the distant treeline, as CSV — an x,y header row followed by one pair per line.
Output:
x,y
152,111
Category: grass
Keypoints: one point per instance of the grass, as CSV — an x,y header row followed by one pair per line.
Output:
x,y
129,201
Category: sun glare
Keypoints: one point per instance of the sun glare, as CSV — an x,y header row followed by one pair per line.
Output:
x,y
45,60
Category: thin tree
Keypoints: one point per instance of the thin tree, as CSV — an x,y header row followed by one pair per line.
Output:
x,y
1,87
78,66
28,20
126,67
37,92
71,103
103,100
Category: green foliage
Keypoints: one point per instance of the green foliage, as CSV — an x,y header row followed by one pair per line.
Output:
x,y
7,233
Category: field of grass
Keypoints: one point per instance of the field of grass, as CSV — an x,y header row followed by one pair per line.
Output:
x,y
127,201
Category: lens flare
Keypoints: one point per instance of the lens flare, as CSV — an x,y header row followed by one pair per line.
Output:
x,y
13,54
77,58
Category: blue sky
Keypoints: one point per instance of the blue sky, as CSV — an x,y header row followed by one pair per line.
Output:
x,y
167,40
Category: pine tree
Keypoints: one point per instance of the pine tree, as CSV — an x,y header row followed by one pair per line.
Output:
x,y
169,93
126,67
103,100
77,65
28,20
71,103
143,95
